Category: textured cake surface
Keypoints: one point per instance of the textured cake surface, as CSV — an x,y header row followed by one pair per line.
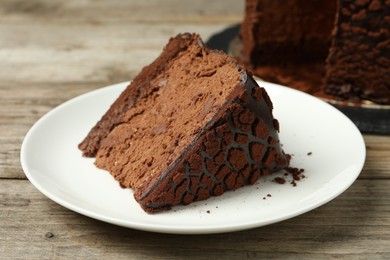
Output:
x,y
358,64
237,146
340,49
297,30
197,127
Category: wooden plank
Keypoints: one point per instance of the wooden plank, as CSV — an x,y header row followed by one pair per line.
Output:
x,y
135,11
378,157
91,40
356,224
54,53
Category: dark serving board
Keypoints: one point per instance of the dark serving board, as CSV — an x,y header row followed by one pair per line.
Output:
x,y
369,118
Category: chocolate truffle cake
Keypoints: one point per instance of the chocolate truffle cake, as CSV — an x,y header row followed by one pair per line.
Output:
x,y
324,47
191,125
358,64
276,32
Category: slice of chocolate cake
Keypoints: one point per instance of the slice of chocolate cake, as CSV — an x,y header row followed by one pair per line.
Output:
x,y
192,124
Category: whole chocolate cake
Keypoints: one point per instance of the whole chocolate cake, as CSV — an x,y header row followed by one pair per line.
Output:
x,y
339,48
191,125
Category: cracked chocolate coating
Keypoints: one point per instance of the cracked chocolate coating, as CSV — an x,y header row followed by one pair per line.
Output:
x,y
239,146
283,32
358,65
338,49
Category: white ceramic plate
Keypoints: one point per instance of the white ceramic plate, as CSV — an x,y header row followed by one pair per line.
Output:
x,y
54,165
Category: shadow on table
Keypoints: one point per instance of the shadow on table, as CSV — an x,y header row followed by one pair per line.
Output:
x,y
222,40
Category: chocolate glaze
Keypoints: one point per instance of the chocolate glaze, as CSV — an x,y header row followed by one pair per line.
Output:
x,y
239,145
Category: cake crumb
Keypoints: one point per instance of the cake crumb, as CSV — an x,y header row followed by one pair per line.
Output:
x,y
296,173
279,180
309,153
296,177
208,211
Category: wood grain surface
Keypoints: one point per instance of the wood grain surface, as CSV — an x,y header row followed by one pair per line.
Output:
x,y
52,51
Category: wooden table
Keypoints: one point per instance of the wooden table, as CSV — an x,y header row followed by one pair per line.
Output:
x,y
52,51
